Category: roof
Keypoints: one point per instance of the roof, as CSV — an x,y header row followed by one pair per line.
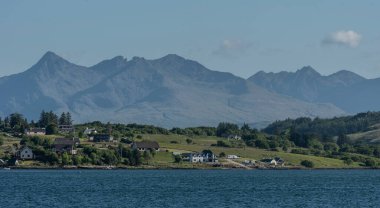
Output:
x,y
64,141
102,136
24,147
267,160
62,147
186,154
147,144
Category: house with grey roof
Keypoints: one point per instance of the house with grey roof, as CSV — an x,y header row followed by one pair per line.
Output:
x,y
146,146
68,145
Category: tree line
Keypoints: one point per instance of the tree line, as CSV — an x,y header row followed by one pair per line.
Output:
x,y
17,123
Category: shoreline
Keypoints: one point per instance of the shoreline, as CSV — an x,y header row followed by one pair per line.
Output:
x,y
173,168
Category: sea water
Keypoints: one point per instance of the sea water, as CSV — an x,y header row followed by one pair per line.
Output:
x,y
190,188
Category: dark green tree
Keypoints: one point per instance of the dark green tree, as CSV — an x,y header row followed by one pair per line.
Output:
x,y
343,139
307,163
51,129
66,159
227,128
207,151
146,156
177,158
63,119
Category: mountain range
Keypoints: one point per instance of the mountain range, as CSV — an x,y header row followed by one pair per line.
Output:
x,y
176,92
344,89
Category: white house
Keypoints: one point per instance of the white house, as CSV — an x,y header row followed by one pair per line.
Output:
x,y
232,157
202,158
196,158
88,131
279,161
26,154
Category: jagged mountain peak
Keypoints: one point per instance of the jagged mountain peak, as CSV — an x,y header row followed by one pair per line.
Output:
x,y
51,57
308,71
172,57
50,63
117,63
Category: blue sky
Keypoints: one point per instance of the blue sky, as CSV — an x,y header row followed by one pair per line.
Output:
x,y
240,36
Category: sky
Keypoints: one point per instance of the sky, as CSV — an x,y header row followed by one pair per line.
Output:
x,y
239,36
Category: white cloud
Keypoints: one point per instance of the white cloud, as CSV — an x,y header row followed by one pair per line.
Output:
x,y
232,48
344,37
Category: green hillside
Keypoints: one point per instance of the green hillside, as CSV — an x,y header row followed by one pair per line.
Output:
x,y
371,136
167,142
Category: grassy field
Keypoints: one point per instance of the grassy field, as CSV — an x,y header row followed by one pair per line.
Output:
x,y
177,143
8,143
370,137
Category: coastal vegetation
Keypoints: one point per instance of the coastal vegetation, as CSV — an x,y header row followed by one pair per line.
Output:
x,y
301,142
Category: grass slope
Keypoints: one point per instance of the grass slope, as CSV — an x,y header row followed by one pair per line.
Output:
x,y
177,143
371,137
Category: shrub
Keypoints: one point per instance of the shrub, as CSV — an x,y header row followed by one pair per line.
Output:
x,y
370,162
300,151
307,163
348,161
125,140
262,144
177,158
221,143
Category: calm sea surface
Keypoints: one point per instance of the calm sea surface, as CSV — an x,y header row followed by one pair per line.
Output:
x,y
189,188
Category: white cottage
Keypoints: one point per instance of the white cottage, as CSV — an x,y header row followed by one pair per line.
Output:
x,y
196,158
202,158
26,154
232,157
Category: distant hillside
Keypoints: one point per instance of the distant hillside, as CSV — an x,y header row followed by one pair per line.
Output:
x,y
371,136
361,127
170,91
344,89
